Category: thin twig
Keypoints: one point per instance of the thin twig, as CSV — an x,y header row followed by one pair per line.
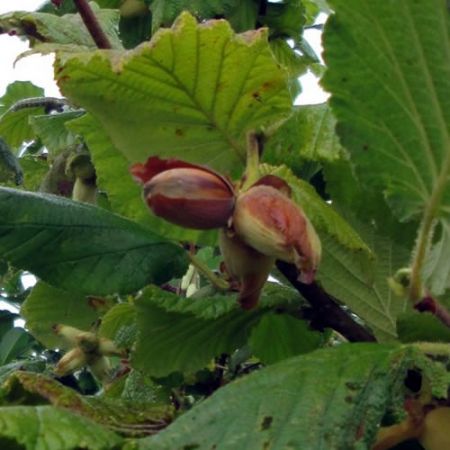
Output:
x,y
325,309
92,24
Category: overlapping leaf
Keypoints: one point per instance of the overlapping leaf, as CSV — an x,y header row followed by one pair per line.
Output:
x,y
331,398
14,126
280,336
32,427
180,94
413,326
47,306
124,194
82,248
309,134
437,268
366,292
184,334
127,418
52,131
389,72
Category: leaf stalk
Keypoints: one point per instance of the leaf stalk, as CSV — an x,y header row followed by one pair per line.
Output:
x,y
92,24
218,282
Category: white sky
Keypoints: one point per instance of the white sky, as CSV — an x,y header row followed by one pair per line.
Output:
x,y
38,69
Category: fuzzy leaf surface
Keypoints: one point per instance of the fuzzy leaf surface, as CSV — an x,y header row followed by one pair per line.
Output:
x,y
79,247
179,95
389,76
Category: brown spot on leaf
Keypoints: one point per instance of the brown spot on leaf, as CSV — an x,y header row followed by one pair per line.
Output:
x,y
360,431
266,423
257,96
97,302
267,85
179,132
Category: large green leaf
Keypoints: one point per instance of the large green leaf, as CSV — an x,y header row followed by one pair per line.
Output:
x,y
368,295
68,29
82,248
330,399
178,334
388,75
47,306
14,126
124,194
180,94
46,427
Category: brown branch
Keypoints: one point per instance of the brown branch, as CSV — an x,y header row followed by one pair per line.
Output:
x,y
325,309
92,24
430,304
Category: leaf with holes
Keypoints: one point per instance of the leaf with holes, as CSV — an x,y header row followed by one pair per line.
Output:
x,y
388,73
179,95
79,247
121,416
330,399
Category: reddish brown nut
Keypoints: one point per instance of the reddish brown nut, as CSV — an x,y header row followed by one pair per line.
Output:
x,y
270,222
186,194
